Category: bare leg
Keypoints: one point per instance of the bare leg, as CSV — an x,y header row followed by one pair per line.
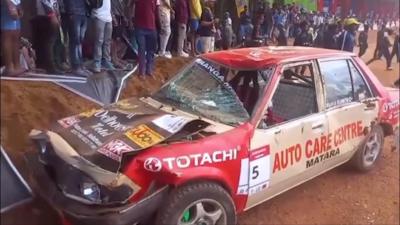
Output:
x,y
6,49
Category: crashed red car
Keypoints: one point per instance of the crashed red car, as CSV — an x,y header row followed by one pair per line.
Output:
x,y
230,131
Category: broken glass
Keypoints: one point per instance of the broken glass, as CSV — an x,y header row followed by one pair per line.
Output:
x,y
200,89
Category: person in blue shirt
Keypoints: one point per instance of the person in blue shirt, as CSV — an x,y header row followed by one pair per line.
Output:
x,y
347,40
245,27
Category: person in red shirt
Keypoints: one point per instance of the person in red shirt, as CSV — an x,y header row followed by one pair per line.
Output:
x,y
146,35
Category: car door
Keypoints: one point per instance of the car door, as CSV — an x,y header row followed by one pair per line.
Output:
x,y
349,104
283,144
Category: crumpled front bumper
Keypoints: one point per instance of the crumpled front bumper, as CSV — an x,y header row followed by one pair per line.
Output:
x,y
79,213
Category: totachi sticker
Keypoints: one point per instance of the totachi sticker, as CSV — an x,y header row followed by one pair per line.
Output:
x,y
171,123
114,149
255,172
68,121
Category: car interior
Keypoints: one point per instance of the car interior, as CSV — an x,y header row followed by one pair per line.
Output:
x,y
294,97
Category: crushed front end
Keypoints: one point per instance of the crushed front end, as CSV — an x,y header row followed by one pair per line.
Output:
x,y
82,192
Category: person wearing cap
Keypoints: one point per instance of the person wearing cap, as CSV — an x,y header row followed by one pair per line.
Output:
x,y
347,39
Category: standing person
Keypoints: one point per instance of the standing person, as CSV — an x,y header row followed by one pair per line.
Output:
x,y
347,39
164,14
268,20
45,31
103,34
363,40
195,10
379,39
206,30
61,46
304,38
281,39
384,50
77,12
182,17
11,14
146,35
279,22
227,31
245,27
396,48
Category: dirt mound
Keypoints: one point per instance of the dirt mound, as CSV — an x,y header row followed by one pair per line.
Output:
x,y
164,70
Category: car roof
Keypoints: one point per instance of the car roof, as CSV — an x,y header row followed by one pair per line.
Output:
x,y
261,57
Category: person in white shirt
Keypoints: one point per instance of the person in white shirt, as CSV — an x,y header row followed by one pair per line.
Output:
x,y
103,33
164,13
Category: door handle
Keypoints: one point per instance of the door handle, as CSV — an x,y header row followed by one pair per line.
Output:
x,y
277,131
317,126
369,105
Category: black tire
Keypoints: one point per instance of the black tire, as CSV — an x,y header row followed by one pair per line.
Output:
x,y
181,198
358,161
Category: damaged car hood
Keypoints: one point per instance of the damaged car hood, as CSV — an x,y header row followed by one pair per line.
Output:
x,y
106,136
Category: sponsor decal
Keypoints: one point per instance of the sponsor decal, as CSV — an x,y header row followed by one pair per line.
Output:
x,y
143,136
323,147
171,123
152,164
393,105
210,69
69,121
194,160
114,149
327,155
110,120
255,172
339,102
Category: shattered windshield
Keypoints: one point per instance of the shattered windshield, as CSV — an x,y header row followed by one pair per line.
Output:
x,y
201,89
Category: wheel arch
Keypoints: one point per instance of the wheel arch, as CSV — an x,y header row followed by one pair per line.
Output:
x,y
387,129
205,174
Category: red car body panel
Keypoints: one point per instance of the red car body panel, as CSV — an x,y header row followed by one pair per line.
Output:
x,y
258,58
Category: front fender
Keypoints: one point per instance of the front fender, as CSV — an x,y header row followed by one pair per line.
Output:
x,y
203,174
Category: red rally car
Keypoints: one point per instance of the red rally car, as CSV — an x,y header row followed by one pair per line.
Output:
x,y
231,130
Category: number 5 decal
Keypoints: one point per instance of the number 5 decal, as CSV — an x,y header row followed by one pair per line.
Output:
x,y
255,172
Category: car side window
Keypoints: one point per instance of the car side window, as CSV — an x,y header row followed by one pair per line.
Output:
x,y
295,96
361,90
338,83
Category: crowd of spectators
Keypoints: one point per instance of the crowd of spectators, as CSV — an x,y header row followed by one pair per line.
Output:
x,y
108,33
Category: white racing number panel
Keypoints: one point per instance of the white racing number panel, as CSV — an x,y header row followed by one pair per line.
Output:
x,y
255,172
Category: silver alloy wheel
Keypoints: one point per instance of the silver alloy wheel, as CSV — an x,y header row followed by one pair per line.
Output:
x,y
371,149
204,212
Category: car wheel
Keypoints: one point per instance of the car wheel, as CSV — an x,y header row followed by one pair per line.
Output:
x,y
370,150
200,204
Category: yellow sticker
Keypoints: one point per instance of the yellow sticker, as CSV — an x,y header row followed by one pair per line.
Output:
x,y
89,113
144,136
126,105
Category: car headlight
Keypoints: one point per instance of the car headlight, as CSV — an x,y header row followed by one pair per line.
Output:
x,y
91,192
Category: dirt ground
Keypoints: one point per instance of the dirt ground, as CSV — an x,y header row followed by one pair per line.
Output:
x,y
337,197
